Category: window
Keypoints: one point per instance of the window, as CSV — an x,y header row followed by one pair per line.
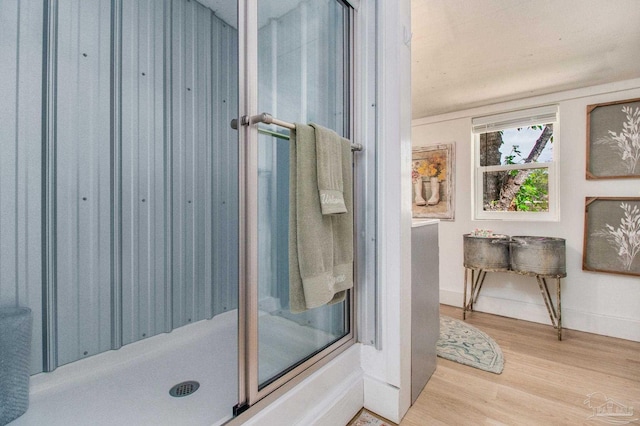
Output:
x,y
515,165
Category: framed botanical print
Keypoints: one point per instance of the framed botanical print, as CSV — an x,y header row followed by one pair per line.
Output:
x,y
612,235
432,177
613,140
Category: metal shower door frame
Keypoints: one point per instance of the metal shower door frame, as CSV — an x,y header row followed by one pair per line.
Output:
x,y
249,392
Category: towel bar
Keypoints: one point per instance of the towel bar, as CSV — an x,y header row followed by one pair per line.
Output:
x,y
269,119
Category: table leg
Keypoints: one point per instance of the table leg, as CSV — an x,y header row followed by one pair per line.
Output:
x,y
472,289
464,297
554,315
559,310
478,286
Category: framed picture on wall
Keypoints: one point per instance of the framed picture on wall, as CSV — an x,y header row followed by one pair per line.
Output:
x,y
612,235
432,174
613,140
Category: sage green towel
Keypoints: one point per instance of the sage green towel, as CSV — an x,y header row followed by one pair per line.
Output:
x,y
329,166
320,246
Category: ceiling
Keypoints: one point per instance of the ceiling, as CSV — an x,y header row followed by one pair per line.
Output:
x,y
470,53
228,10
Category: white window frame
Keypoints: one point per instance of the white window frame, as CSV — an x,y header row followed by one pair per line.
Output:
x,y
492,123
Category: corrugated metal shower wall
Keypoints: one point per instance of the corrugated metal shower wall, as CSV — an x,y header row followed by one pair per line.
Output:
x,y
129,231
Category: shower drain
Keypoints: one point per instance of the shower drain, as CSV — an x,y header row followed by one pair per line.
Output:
x,y
184,388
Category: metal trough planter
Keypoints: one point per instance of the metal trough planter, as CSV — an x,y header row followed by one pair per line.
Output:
x,y
488,253
538,255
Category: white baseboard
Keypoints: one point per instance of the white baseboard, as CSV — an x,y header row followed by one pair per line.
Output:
x,y
606,325
341,406
451,298
382,398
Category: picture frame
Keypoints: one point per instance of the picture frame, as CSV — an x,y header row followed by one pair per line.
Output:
x,y
612,235
613,140
432,178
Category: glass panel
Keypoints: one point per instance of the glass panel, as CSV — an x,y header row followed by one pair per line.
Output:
x,y
140,201
531,144
179,166
302,63
530,187
508,188
162,193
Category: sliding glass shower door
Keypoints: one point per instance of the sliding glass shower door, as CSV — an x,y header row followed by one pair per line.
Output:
x,y
301,75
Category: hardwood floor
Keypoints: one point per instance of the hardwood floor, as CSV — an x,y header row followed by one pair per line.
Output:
x,y
544,382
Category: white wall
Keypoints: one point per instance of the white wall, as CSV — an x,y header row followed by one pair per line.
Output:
x,y
595,302
387,372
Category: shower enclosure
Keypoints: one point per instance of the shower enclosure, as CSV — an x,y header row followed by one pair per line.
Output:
x,y
130,207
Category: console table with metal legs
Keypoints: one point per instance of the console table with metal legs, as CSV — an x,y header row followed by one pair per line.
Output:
x,y
478,275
